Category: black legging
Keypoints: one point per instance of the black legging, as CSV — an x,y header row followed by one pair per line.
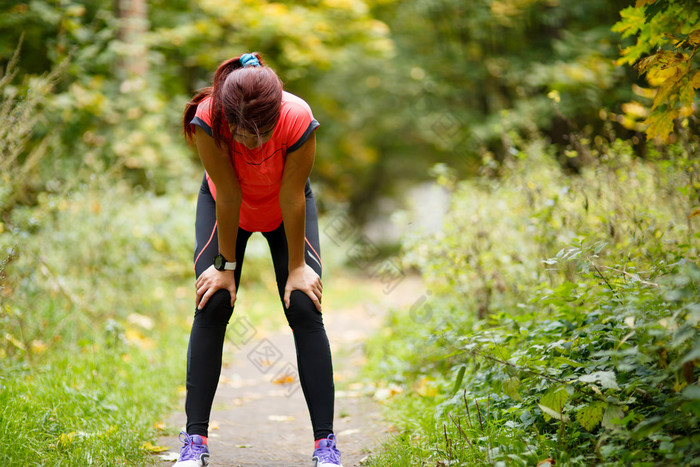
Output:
x,y
209,326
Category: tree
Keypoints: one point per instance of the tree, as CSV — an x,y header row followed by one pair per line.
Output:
x,y
667,40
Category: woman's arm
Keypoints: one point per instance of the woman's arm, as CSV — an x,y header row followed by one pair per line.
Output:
x,y
293,205
219,166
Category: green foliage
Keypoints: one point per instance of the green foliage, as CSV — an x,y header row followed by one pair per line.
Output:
x,y
573,304
92,318
18,166
397,86
88,266
667,40
470,75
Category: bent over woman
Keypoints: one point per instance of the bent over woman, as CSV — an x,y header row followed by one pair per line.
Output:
x,y
257,144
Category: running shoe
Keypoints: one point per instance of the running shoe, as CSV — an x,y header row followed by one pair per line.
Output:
x,y
194,453
326,455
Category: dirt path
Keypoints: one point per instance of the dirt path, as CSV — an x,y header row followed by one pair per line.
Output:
x,y
259,416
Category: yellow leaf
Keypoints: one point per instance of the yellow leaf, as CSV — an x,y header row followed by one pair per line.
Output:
x,y
686,93
686,111
694,37
694,213
658,76
695,80
660,125
635,109
280,418
554,95
426,387
284,379
65,440
134,336
642,3
644,64
147,446
14,341
38,346
590,415
385,393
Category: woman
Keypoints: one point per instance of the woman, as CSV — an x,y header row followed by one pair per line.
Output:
x,y
257,144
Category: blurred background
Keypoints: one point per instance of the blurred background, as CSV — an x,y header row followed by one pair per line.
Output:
x,y
430,111
397,86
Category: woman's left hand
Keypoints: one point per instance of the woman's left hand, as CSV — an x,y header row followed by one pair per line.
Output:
x,y
305,279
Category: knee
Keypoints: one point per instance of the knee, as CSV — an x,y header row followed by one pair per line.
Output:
x,y
302,313
217,311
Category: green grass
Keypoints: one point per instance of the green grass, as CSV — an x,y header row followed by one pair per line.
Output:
x,y
91,406
93,325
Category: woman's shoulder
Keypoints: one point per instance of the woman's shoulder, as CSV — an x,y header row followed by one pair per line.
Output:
x,y
205,105
296,120
294,104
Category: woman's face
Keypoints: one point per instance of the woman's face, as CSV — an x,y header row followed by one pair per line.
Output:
x,y
250,140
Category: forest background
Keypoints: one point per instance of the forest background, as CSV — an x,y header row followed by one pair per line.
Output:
x,y
563,283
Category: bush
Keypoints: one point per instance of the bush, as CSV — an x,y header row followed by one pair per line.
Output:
x,y
92,300
563,316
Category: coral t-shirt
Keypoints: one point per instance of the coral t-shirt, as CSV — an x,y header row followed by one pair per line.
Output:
x,y
260,169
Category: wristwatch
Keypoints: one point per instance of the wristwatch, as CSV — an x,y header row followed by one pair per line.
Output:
x,y
221,264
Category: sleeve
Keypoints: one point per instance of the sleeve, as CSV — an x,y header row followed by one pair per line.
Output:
x,y
301,125
202,118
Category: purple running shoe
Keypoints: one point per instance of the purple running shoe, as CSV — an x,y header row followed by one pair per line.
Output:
x,y
327,455
194,453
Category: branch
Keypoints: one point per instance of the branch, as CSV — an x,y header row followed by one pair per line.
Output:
x,y
653,284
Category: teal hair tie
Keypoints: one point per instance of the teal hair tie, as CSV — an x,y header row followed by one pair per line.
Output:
x,y
249,60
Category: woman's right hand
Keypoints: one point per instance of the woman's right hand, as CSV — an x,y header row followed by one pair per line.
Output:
x,y
212,280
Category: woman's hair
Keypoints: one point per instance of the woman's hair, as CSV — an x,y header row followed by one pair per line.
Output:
x,y
247,97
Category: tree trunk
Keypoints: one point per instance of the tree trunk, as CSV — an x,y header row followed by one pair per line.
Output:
x,y
134,24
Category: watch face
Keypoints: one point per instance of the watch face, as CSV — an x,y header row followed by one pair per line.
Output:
x,y
219,262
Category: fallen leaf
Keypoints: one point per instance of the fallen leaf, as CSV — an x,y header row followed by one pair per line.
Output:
x,y
169,456
280,418
426,387
140,320
159,425
546,462
38,346
65,439
284,379
148,446
385,393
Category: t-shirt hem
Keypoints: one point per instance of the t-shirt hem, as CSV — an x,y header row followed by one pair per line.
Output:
x,y
203,125
300,142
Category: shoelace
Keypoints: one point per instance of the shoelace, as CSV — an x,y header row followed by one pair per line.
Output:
x,y
190,451
329,453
